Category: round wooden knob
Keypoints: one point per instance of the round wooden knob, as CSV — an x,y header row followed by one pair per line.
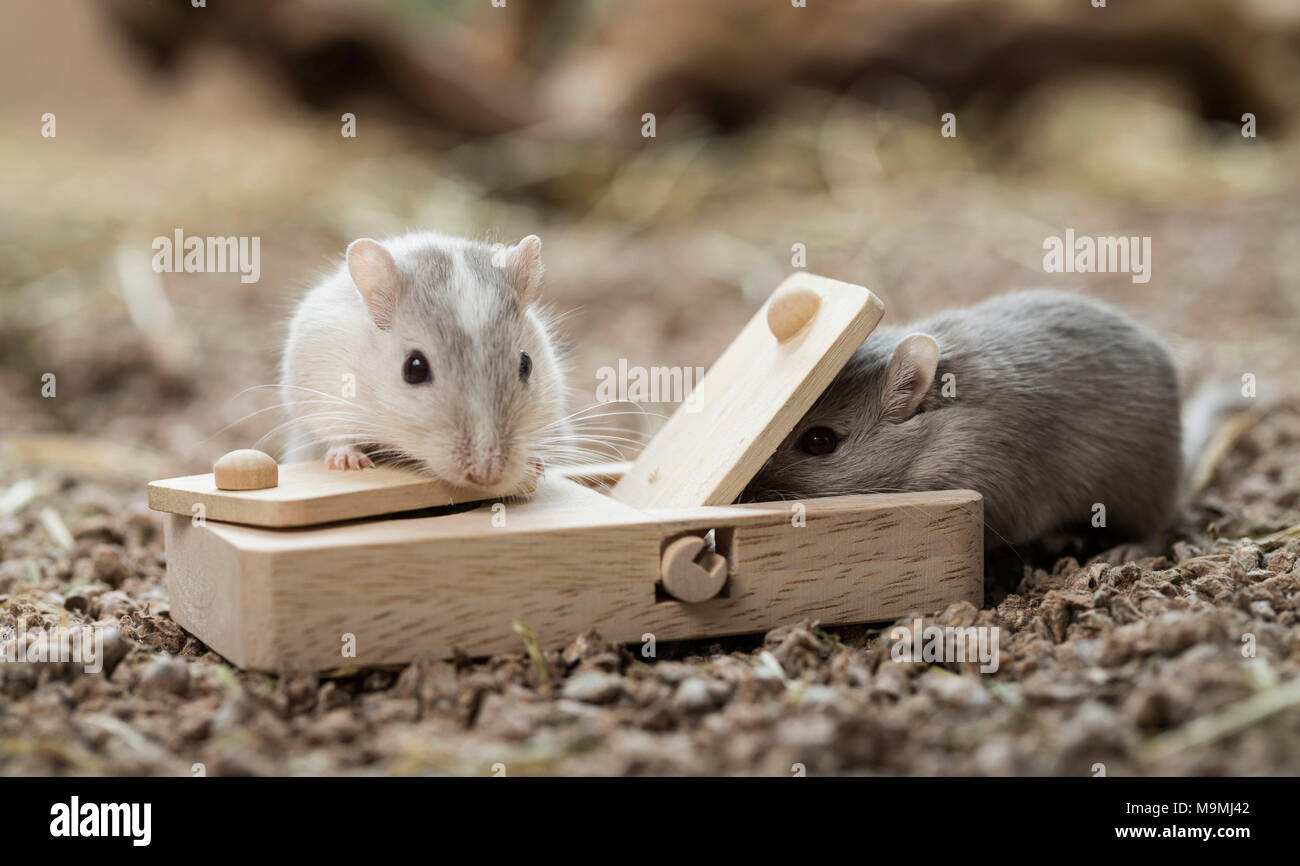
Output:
x,y
691,573
245,469
790,310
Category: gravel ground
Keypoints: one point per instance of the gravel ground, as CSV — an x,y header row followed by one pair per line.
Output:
x,y
1181,663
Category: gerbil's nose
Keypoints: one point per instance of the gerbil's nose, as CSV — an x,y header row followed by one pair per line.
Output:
x,y
483,477
484,470
481,461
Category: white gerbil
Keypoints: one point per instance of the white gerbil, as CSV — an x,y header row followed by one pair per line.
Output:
x,y
429,350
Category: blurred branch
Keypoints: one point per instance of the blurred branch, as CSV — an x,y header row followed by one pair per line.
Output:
x,y
733,63
331,54
725,59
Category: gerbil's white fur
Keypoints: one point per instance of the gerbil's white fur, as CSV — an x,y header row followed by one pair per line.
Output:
x,y
471,310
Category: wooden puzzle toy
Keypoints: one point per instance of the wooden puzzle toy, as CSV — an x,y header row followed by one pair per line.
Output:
x,y
288,566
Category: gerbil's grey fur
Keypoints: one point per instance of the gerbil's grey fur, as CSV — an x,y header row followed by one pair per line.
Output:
x,y
470,309
1046,403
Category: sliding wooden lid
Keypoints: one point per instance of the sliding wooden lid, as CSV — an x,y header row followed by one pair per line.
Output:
x,y
308,494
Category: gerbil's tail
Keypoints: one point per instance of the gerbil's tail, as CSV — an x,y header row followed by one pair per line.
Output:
x,y
1213,419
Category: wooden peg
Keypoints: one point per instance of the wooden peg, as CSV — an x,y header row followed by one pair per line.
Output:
x,y
790,310
690,572
246,469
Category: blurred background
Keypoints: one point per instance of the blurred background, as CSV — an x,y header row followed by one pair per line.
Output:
x,y
775,126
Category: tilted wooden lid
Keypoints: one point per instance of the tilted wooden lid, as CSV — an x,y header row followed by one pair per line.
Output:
x,y
751,398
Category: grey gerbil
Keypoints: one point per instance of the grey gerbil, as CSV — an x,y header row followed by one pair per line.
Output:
x,y
1046,403
431,350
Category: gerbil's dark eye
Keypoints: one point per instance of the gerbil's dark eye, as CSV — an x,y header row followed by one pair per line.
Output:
x,y
818,441
525,366
415,370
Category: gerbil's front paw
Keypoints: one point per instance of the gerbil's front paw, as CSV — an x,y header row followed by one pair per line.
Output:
x,y
346,457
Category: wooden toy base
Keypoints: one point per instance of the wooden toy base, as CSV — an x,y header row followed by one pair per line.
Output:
x,y
568,559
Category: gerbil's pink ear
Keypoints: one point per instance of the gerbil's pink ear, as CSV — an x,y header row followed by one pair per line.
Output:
x,y
374,273
524,268
911,371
